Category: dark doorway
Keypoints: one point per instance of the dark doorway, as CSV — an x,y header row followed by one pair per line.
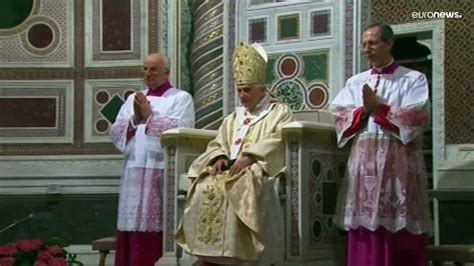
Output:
x,y
409,52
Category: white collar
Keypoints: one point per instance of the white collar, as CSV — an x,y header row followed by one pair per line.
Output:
x,y
263,105
379,69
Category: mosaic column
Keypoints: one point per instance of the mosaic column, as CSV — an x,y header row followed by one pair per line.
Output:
x,y
207,62
349,36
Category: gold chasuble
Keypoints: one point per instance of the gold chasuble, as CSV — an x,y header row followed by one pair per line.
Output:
x,y
237,219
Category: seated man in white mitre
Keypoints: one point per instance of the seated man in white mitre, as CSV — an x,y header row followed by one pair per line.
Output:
x,y
232,214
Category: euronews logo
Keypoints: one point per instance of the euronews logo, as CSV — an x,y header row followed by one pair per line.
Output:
x,y
436,14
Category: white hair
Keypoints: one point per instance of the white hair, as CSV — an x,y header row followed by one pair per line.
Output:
x,y
166,63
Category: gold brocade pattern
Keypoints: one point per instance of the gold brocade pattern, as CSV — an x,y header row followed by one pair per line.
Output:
x,y
211,216
207,61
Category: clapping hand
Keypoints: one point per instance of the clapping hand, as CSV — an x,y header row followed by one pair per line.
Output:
x,y
141,107
137,117
369,99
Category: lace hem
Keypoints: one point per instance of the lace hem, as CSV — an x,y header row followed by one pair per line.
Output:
x,y
140,200
156,125
415,228
385,185
139,224
410,122
118,133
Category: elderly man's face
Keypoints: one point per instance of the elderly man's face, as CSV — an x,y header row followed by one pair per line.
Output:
x,y
376,50
250,95
154,72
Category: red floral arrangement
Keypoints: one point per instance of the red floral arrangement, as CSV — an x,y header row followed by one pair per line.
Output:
x,y
36,253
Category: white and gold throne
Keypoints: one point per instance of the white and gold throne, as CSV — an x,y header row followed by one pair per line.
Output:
x,y
308,192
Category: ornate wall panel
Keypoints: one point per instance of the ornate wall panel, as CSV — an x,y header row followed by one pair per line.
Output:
x,y
316,168
185,40
349,39
115,32
289,27
230,41
459,96
258,29
40,34
36,111
103,99
327,171
75,11
294,172
153,26
300,79
305,42
207,58
320,23
162,22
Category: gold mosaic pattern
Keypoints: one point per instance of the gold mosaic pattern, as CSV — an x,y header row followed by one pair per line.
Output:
x,y
214,71
210,13
207,47
209,36
201,103
459,96
152,26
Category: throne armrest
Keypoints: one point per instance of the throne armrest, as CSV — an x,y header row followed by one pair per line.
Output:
x,y
182,146
171,136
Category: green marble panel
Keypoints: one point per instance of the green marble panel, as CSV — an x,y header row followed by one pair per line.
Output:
x,y
315,67
270,70
14,12
111,109
330,190
77,219
288,27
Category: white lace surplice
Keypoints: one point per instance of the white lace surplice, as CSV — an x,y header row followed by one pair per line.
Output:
x,y
385,183
140,199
